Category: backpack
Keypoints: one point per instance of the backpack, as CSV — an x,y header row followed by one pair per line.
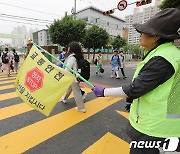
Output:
x,y
5,58
16,57
84,68
117,59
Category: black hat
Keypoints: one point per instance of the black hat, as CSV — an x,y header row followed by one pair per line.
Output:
x,y
165,24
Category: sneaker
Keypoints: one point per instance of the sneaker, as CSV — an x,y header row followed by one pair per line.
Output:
x,y
112,76
63,100
84,96
117,77
124,77
81,110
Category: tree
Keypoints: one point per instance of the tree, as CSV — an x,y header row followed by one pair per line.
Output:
x,y
118,42
95,37
170,4
67,30
136,50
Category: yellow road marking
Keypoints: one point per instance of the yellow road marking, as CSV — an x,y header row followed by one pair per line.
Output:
x,y
14,110
124,114
108,144
32,135
5,73
6,78
8,81
8,112
8,96
6,87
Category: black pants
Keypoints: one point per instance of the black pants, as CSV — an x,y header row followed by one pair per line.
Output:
x,y
122,71
82,92
137,136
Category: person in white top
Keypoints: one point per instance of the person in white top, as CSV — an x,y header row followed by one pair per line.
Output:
x,y
7,58
122,64
74,54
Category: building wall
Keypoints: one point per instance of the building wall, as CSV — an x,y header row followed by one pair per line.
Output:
x,y
125,34
139,17
42,37
19,43
35,37
21,30
112,25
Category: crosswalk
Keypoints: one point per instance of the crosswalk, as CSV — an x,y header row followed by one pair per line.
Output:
x,y
24,130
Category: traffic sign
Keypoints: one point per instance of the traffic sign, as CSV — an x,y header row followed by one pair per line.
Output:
x,y
34,79
122,5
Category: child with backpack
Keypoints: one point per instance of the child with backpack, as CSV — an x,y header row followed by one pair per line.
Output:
x,y
115,64
16,60
75,60
7,57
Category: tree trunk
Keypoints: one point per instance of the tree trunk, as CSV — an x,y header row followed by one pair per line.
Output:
x,y
88,52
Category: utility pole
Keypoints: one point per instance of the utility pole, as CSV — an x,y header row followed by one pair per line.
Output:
x,y
74,9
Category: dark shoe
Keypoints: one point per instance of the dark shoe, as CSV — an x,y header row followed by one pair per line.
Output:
x,y
124,77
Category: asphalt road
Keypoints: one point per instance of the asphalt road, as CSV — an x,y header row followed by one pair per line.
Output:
x,y
65,131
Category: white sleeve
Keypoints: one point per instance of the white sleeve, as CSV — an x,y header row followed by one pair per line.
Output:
x,y
71,61
114,92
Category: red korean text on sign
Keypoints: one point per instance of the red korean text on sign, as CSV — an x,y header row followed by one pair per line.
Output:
x,y
34,79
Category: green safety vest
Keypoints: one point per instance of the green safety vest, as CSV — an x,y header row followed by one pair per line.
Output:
x,y
157,113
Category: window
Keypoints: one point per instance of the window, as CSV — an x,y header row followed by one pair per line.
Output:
x,y
85,18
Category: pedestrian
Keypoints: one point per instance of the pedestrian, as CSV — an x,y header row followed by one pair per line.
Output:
x,y
16,60
1,69
62,56
29,46
74,54
115,64
7,59
99,64
155,89
122,64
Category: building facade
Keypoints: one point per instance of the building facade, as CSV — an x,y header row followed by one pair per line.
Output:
x,y
113,25
19,43
42,37
24,33
139,17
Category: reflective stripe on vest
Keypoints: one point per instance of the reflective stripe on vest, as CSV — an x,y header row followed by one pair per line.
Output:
x,y
173,116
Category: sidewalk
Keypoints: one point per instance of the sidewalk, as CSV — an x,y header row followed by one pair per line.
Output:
x,y
127,63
